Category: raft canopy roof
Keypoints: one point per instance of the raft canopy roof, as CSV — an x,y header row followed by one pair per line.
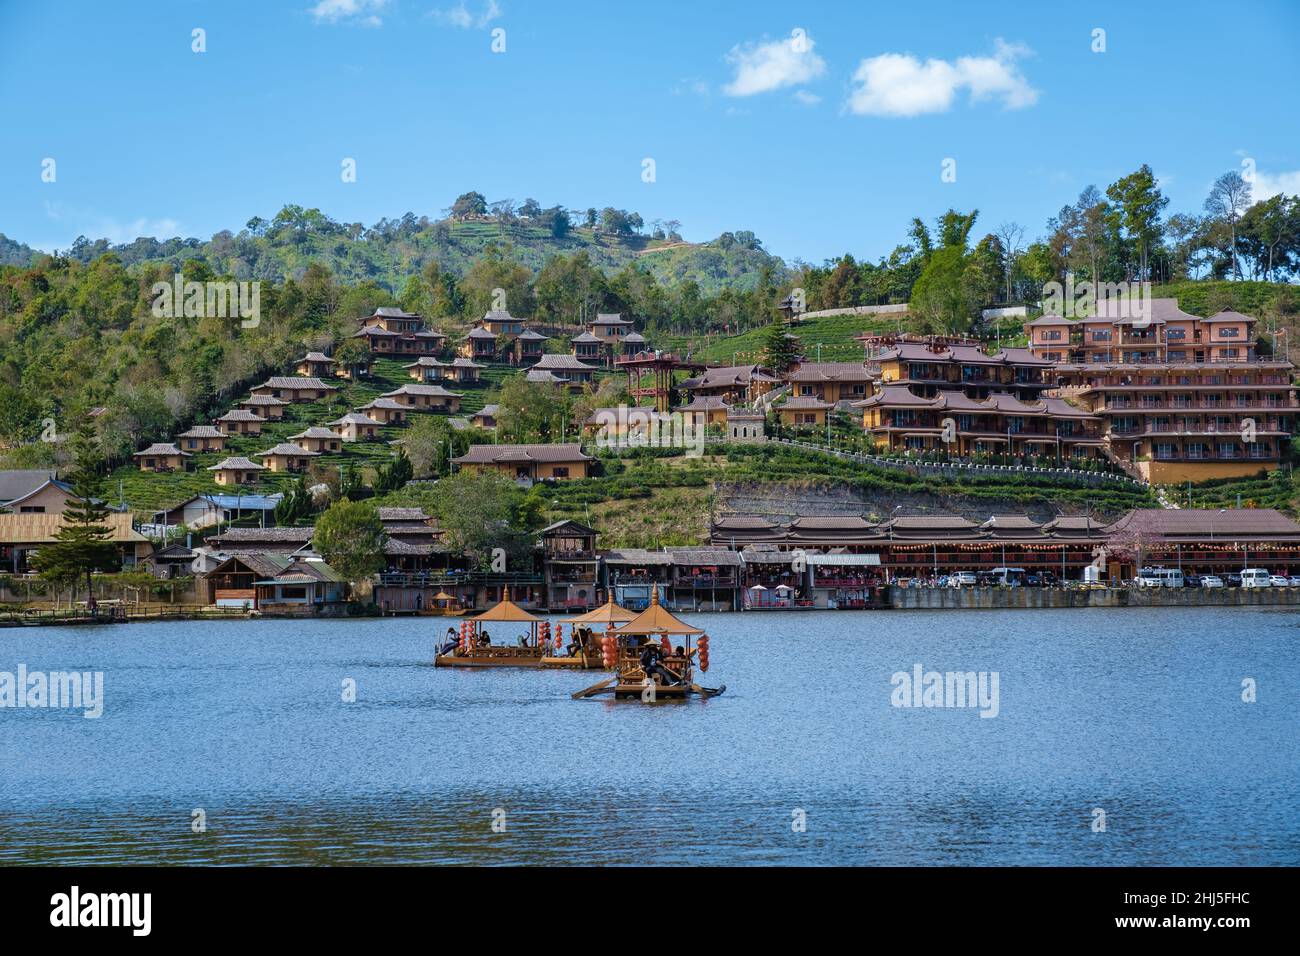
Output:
x,y
656,620
607,613
507,610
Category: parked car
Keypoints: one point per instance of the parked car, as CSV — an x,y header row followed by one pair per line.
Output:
x,y
1232,579
1192,580
1211,581
1293,581
1256,578
962,579
1279,581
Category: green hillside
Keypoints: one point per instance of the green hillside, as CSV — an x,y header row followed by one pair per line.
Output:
x,y
391,251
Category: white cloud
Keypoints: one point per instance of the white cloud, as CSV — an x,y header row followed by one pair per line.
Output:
x,y
898,84
763,67
806,98
362,12
85,222
1268,185
461,16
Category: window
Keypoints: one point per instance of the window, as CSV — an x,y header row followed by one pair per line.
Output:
x,y
560,472
1101,335
1229,332
293,593
1052,335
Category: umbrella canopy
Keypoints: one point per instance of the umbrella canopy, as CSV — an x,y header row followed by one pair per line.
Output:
x,y
443,596
656,620
507,610
607,613
758,587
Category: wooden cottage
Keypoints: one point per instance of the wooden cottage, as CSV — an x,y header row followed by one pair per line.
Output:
x,y
267,406
463,370
240,421
355,427
557,462
575,373
161,456
315,365
287,457
203,438
426,369
318,439
387,411
236,471
290,389
426,398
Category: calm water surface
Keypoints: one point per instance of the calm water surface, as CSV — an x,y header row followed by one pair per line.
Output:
x,y
1135,711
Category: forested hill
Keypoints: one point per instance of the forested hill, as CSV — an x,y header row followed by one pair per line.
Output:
x,y
392,250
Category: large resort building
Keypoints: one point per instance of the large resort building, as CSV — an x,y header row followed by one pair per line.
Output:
x,y
1182,398
957,399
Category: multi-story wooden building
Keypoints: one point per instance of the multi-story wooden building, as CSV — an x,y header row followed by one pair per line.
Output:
x,y
832,382
1182,398
958,399
500,336
571,566
391,331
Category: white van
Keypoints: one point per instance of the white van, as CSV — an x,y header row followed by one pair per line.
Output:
x,y
1008,577
1255,578
1160,578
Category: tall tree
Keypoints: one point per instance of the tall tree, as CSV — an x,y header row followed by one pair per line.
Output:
x,y
1229,198
351,539
83,544
1138,204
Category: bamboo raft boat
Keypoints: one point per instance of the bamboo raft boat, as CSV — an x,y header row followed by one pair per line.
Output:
x,y
584,649
646,664
474,648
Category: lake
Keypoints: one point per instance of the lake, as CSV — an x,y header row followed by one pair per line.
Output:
x,y
1136,714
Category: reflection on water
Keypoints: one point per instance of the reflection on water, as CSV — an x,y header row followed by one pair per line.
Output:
x,y
1137,712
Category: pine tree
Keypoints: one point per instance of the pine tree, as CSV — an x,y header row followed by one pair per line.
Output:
x,y
83,544
779,349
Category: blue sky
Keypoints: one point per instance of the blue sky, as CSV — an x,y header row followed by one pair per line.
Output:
x,y
821,142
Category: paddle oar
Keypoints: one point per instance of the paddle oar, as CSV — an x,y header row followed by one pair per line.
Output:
x,y
594,688
708,691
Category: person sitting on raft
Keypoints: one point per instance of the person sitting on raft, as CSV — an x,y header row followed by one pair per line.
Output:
x,y
652,663
579,642
484,640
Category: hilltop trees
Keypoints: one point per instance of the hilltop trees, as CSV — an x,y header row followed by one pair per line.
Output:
x,y
469,204
1229,198
1138,204
954,283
